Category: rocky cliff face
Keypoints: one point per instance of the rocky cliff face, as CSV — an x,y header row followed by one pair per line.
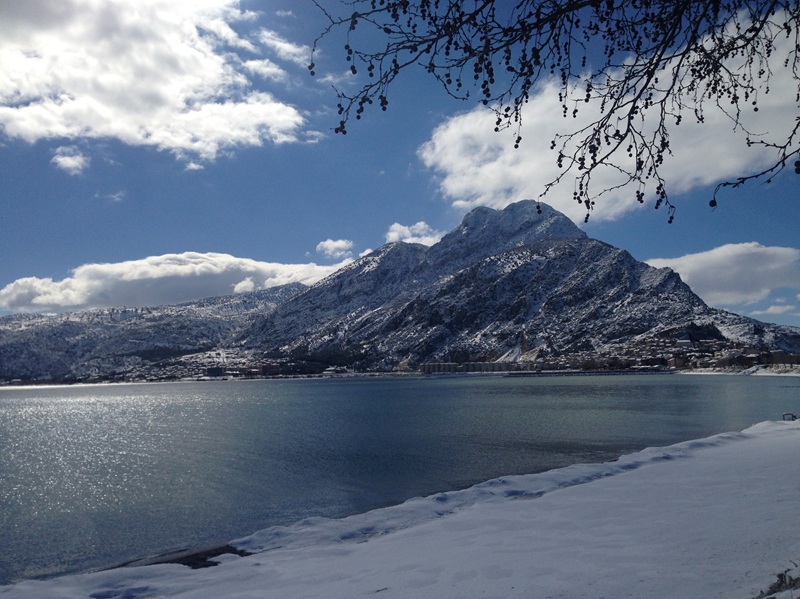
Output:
x,y
513,285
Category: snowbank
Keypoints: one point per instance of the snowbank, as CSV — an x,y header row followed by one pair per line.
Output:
x,y
763,370
716,517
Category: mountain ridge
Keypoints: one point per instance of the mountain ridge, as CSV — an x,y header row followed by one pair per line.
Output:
x,y
523,284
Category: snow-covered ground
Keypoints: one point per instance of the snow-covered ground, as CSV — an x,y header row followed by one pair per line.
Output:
x,y
771,370
717,517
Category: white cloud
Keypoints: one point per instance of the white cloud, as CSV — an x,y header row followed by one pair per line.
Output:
x,y
265,68
775,309
156,280
336,248
420,232
341,79
245,285
162,73
736,274
70,160
116,197
477,166
298,54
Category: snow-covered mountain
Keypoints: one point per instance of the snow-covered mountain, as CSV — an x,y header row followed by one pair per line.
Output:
x,y
112,342
516,284
504,285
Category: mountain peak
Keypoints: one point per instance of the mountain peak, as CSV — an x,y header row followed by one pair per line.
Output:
x,y
486,231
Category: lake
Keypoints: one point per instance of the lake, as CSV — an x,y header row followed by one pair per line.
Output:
x,y
94,476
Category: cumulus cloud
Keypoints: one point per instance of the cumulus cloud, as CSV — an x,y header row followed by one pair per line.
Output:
x,y
162,73
153,281
245,285
420,232
477,166
737,273
70,160
337,249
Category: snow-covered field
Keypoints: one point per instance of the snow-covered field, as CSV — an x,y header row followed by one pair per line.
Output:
x,y
717,517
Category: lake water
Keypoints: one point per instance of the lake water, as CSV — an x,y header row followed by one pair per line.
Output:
x,y
93,476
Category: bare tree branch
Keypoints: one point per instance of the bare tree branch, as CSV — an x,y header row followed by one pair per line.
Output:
x,y
647,64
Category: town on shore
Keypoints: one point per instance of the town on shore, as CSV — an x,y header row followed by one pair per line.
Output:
x,y
647,356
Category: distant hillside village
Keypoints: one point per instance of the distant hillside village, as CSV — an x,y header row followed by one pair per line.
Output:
x,y
655,355
652,355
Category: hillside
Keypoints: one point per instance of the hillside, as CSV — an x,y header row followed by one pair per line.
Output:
x,y
521,285
115,342
512,285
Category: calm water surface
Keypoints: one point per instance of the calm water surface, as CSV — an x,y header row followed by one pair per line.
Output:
x,y
93,476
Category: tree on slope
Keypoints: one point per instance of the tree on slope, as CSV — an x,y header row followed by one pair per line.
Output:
x,y
638,67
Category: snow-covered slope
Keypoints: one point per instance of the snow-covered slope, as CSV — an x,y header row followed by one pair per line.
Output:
x,y
112,341
713,517
515,284
486,232
520,282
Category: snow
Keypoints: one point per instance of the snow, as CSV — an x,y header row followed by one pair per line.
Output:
x,y
715,517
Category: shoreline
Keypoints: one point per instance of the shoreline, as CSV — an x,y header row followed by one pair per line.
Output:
x,y
684,507
206,552
761,370
193,558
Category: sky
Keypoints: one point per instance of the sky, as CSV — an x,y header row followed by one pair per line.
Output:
x,y
167,150
704,518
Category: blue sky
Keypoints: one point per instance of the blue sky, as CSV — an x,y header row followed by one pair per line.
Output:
x,y
161,151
